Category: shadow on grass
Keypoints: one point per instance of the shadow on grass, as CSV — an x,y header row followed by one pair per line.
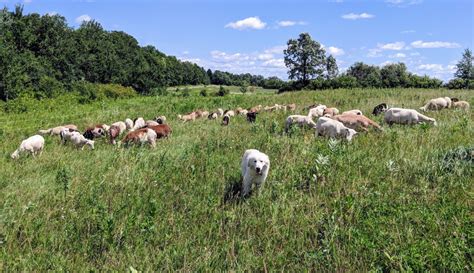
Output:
x,y
233,191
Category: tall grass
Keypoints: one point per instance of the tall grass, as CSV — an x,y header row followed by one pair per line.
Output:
x,y
382,202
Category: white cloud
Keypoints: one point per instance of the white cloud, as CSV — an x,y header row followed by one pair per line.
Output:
x,y
392,46
289,23
398,55
185,52
415,54
435,44
250,22
355,16
408,31
386,63
276,49
335,51
265,56
51,13
278,63
223,56
83,18
432,67
403,3
27,1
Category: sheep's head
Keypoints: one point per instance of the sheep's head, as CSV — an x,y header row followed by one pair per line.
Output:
x,y
15,154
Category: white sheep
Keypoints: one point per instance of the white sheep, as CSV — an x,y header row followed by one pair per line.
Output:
x,y
55,131
353,112
129,123
138,124
220,112
437,104
334,129
300,120
80,141
406,116
461,105
121,125
33,145
317,111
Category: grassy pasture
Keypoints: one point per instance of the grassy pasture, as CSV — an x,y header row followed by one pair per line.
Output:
x,y
382,202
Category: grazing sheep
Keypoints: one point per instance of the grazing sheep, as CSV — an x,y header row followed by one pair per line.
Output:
x,y
252,117
460,104
33,145
291,107
149,123
301,120
160,119
80,141
454,99
225,120
129,123
94,132
255,167
212,116
57,130
162,130
317,111
271,108
406,116
138,123
353,112
381,108
256,108
66,135
437,104
334,129
205,114
230,113
121,125
243,112
238,110
220,111
114,132
103,126
140,136
357,122
188,117
331,111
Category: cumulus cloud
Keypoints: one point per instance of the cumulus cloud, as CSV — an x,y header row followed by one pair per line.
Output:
x,y
403,3
432,67
265,56
51,13
355,16
435,44
250,22
398,55
408,31
83,18
289,23
392,46
335,51
278,63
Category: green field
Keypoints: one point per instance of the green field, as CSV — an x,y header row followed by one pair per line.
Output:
x,y
385,201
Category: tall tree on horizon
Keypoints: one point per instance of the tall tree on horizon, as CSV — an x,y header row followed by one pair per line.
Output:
x,y
331,68
465,68
305,58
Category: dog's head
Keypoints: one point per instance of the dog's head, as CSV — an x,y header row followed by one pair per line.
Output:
x,y
258,164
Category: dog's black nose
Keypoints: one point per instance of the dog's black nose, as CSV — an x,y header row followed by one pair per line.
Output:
x,y
258,170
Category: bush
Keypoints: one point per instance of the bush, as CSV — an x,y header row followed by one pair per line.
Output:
x,y
456,84
222,92
158,91
21,104
49,88
292,86
89,92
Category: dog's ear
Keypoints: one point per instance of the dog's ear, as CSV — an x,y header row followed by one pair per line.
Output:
x,y
248,162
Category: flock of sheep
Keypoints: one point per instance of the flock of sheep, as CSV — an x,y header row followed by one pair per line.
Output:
x,y
255,165
329,124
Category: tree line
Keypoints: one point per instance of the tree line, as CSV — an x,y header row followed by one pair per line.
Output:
x,y
309,67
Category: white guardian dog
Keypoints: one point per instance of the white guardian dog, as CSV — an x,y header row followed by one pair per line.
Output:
x,y
255,167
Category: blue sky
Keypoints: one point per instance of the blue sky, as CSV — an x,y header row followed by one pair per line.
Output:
x,y
249,36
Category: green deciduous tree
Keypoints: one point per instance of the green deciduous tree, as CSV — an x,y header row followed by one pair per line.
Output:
x,y
465,67
331,68
305,58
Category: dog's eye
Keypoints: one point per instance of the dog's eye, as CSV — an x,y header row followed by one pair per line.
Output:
x,y
255,161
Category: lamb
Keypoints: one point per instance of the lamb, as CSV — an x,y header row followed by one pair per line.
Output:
x,y
225,120
80,141
114,132
56,130
129,123
333,129
461,104
331,111
437,104
300,120
121,125
66,135
212,116
230,113
188,117
138,123
33,145
144,135
381,108
406,116
161,119
291,107
357,122
256,108
317,111
354,112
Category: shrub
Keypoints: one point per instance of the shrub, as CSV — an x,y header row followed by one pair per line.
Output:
x,y
243,89
158,91
89,92
222,92
456,84
21,104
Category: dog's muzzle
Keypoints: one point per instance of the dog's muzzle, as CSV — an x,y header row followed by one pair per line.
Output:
x,y
258,171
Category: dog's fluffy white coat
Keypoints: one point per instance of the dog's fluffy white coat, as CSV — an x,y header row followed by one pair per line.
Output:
x,y
255,167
